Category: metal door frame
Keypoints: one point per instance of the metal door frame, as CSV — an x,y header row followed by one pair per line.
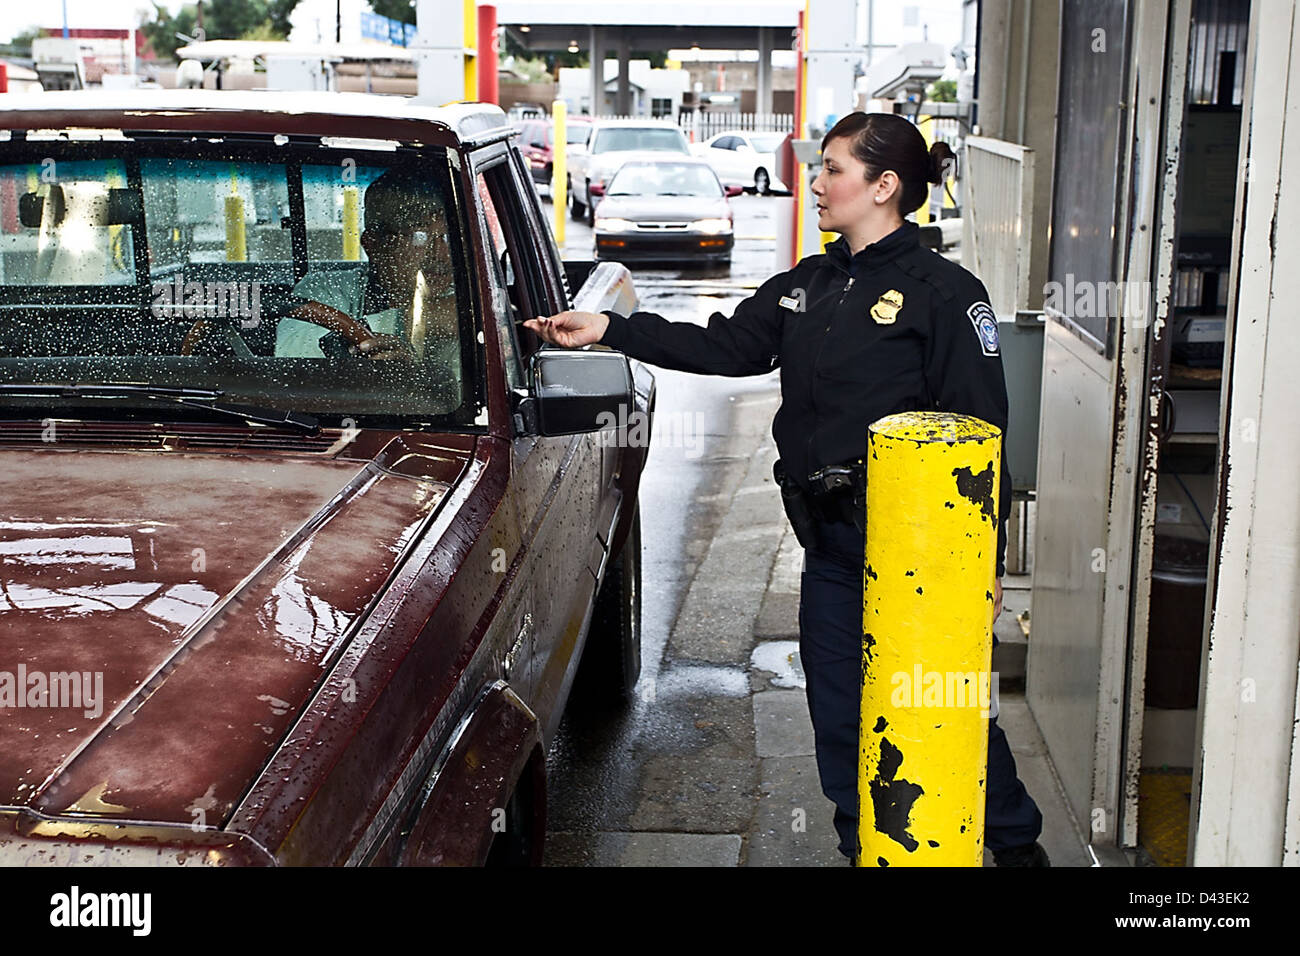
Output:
x,y
1151,252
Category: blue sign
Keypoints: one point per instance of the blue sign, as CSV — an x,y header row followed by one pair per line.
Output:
x,y
386,29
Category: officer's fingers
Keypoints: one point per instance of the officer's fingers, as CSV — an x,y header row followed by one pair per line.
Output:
x,y
542,327
569,319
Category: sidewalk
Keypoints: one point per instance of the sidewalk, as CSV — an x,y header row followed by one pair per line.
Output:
x,y
736,783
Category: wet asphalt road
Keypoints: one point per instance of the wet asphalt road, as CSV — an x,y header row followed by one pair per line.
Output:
x,y
595,764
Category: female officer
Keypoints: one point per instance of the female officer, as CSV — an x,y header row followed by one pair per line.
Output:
x,y
875,325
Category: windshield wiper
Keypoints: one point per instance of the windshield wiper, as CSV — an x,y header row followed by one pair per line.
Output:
x,y
204,398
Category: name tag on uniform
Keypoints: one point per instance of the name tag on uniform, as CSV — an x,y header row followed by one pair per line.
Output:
x,y
793,303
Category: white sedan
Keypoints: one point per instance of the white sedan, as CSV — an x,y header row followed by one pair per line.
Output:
x,y
745,158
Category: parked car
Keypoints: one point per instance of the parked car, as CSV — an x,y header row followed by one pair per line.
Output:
x,y
665,209
525,111
613,143
304,537
537,142
744,158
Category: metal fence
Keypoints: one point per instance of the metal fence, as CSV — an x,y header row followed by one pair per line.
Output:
x,y
997,219
700,125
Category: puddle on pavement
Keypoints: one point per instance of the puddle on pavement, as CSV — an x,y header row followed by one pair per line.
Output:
x,y
781,659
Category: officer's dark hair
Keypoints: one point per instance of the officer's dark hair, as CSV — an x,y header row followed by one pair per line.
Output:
x,y
882,141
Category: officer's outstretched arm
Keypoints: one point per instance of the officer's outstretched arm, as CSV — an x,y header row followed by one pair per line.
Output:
x,y
964,372
748,343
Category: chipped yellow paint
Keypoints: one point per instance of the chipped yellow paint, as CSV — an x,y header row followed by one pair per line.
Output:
x,y
932,492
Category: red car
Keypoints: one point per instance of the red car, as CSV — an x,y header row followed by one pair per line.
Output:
x,y
537,142
303,537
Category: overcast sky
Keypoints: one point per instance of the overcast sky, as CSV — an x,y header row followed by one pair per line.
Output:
x,y
943,17
16,15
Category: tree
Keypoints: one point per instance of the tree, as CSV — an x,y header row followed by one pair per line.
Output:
x,y
942,91
21,44
279,11
231,19
403,10
160,32
222,20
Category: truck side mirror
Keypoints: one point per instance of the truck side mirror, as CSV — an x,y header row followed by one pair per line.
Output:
x,y
576,391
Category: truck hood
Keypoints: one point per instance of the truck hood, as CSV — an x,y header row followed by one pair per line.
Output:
x,y
164,618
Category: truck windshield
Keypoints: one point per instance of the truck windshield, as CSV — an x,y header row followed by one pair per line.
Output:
x,y
620,138
326,280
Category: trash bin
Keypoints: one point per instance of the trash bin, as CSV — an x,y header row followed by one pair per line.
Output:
x,y
1178,576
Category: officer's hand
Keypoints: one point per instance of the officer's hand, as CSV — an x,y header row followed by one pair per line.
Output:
x,y
570,330
997,598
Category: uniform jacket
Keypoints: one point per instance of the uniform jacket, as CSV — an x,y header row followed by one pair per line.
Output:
x,y
895,328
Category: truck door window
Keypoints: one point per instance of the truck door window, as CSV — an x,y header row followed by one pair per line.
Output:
x,y
525,239
503,274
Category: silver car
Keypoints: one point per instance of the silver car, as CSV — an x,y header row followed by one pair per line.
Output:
x,y
664,209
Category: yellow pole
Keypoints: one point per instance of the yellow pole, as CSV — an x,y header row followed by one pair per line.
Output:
x,y
932,500
800,185
469,15
927,131
351,223
559,168
236,236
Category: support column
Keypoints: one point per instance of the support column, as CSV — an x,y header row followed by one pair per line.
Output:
x,y
828,86
623,99
439,49
763,100
597,71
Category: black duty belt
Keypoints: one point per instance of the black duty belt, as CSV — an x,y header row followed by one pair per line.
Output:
x,y
838,494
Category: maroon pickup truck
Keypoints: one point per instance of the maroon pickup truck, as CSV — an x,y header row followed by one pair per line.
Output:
x,y
302,535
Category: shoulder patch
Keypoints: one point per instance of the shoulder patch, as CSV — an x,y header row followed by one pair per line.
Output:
x,y
986,326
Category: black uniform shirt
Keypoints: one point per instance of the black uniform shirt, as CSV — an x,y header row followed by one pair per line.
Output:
x,y
895,328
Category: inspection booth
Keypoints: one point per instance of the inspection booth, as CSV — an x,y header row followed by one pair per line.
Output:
x,y
1165,619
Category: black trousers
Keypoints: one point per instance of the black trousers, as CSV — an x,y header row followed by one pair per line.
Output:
x,y
830,646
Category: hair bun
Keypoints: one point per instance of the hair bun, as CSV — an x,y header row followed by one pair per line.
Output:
x,y
942,162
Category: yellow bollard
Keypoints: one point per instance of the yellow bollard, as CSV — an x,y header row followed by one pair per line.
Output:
x,y
932,503
236,237
351,224
559,168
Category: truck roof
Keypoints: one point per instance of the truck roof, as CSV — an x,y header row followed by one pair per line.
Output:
x,y
468,120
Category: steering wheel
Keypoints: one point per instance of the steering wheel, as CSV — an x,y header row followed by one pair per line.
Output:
x,y
198,332
364,341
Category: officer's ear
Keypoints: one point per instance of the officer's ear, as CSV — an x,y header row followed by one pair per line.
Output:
x,y
886,187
